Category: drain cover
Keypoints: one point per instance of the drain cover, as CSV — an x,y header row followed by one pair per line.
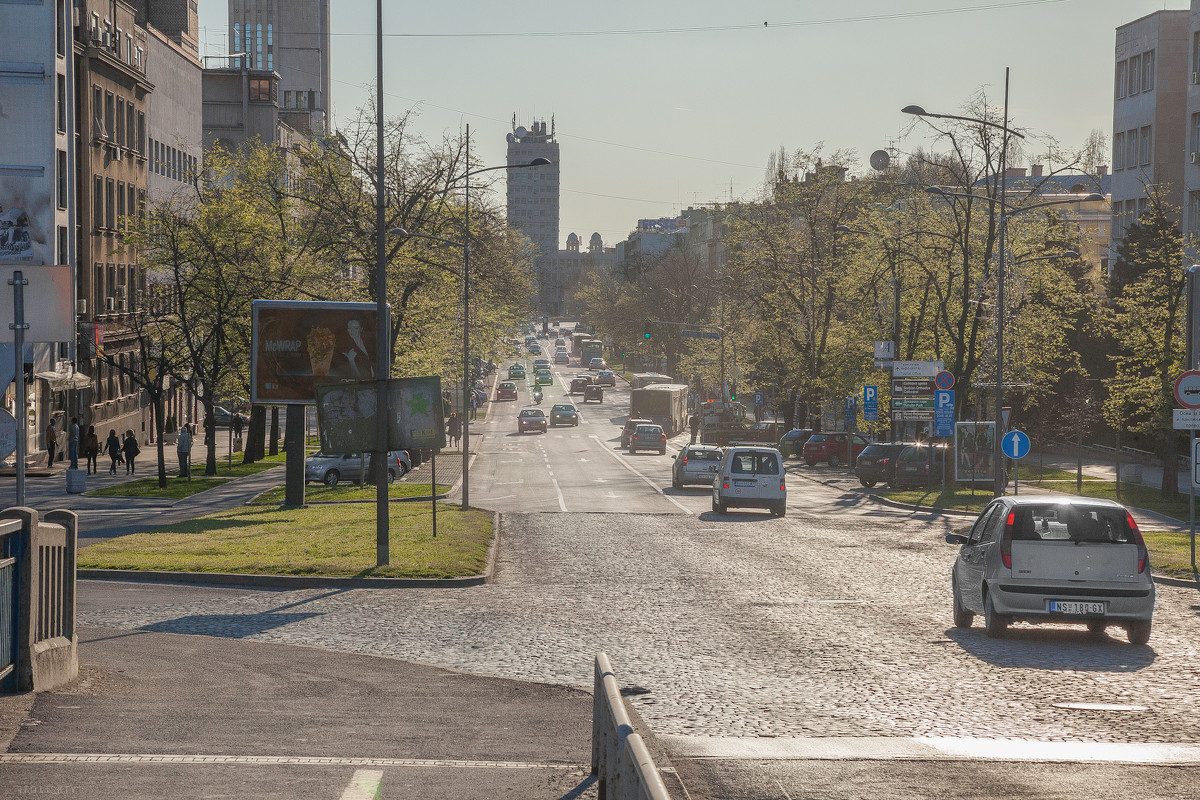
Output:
x,y
1100,707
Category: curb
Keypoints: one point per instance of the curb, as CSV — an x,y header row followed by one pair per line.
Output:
x,y
303,581
953,512
1178,582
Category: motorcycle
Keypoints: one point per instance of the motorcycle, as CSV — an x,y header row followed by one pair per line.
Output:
x,y
537,396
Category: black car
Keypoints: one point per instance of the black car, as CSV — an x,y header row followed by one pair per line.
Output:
x,y
877,463
791,444
917,467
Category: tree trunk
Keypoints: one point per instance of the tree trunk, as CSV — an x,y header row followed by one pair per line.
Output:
x,y
274,430
255,435
158,435
209,426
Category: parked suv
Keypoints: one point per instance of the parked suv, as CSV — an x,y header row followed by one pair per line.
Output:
x,y
832,447
1053,559
917,466
877,462
695,464
331,469
750,477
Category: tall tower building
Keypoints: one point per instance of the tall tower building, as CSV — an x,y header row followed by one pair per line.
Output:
x,y
533,202
290,37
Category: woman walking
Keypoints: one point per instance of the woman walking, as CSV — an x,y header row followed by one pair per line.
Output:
x,y
454,429
112,446
131,450
91,449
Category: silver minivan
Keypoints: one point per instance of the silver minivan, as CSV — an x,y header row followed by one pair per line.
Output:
x,y
1053,559
750,477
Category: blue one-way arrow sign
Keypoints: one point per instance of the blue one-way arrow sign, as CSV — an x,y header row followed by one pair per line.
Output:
x,y
1015,444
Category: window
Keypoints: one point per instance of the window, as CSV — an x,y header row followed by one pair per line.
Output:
x,y
1118,151
64,257
61,116
1122,79
60,22
130,126
141,132
270,38
287,99
130,208
237,43
1147,149
62,179
1193,212
1148,71
270,61
260,89
1131,149
110,204
98,202
1135,75
97,288
117,42
97,112
109,102
258,46
121,121
121,203
129,48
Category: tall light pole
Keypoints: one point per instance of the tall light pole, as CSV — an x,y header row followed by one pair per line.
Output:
x,y
465,244
383,353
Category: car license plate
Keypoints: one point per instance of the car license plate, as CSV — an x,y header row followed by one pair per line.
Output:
x,y
744,483
1075,607
865,462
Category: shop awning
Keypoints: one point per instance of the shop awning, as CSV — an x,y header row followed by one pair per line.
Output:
x,y
60,381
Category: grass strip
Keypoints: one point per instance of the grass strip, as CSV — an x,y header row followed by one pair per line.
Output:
x,y
321,493
317,540
1170,552
177,488
954,497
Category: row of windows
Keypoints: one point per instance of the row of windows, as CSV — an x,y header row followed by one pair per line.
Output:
x,y
254,34
118,120
119,43
171,162
302,100
1135,75
1124,214
1133,148
115,203
116,283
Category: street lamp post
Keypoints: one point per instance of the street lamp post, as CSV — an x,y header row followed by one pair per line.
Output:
x,y
465,245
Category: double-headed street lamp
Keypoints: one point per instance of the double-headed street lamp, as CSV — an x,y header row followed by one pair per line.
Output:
x,y
465,244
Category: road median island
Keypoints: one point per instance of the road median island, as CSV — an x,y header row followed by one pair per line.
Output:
x,y
331,541
178,488
350,493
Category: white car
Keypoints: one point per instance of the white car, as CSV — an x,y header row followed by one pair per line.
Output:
x,y
750,477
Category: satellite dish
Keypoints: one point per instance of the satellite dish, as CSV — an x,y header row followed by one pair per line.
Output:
x,y
880,160
521,133
510,138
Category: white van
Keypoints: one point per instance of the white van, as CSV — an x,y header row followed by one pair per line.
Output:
x,y
750,477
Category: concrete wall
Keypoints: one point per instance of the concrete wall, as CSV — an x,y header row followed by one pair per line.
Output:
x,y
174,111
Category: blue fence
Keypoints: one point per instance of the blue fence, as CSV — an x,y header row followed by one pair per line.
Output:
x,y
10,542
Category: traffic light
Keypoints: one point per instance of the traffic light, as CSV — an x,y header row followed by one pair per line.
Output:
x,y
646,330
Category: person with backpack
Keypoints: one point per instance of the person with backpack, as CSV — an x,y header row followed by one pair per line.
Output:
x,y
112,447
131,450
91,449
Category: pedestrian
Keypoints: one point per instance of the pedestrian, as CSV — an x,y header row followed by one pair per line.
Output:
x,y
131,449
73,443
183,448
51,443
454,428
237,425
694,423
474,405
112,446
91,449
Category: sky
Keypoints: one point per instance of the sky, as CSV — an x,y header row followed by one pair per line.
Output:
x,y
664,104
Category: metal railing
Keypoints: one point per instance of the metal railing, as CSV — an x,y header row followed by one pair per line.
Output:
x,y
10,543
620,759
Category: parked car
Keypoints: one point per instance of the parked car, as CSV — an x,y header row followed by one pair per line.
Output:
x,y
631,425
648,437
516,372
564,414
531,419
593,391
579,383
223,417
1053,559
832,447
695,464
606,377
877,462
792,443
750,477
562,357
331,469
597,363
917,466
507,390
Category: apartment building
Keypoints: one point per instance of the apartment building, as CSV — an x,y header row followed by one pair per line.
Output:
x,y
533,206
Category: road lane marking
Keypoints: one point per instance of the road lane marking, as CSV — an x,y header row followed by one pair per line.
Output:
x,y
630,467
562,504
364,785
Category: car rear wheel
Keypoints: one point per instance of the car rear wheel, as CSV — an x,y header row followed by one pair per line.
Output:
x,y
719,507
1139,632
994,625
662,451
676,483
779,509
835,460
331,478
962,617
391,476
810,462
868,484
1096,627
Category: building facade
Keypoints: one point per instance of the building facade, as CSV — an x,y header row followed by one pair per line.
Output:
x,y
290,38
174,119
533,196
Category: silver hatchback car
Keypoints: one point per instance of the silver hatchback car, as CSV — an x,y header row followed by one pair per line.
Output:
x,y
695,464
1054,559
331,469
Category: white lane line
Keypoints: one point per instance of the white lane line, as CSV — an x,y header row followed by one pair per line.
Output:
x,y
364,785
562,504
629,467
310,761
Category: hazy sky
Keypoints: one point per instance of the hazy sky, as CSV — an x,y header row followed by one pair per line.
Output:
x,y
662,104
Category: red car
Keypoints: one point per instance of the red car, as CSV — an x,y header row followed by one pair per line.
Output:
x,y
507,390
832,447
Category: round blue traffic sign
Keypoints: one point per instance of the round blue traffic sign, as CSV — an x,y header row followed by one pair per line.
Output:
x,y
1015,444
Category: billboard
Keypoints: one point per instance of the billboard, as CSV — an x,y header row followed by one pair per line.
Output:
x,y
295,345
347,415
49,299
974,452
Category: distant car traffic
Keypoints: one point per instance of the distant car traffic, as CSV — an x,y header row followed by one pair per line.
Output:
x,y
332,469
507,390
750,477
579,383
564,414
534,350
832,447
597,363
792,442
531,419
648,437
606,377
541,363
562,357
542,377
695,464
1053,559
877,462
631,425
516,372
593,391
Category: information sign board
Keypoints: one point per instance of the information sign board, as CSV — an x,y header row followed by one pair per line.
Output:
x,y
913,387
912,416
1196,462
885,351
1186,419
974,451
913,403
916,369
943,416
871,403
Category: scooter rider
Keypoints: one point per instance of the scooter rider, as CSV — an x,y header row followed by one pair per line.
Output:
x,y
537,396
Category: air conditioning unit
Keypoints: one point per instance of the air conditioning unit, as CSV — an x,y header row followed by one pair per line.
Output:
x,y
106,39
122,306
120,292
81,306
110,304
117,156
1195,78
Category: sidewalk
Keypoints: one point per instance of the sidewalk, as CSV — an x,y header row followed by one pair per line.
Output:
x,y
158,714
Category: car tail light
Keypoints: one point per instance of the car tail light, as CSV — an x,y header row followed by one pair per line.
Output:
x,y
782,485
685,461
1143,555
1006,540
662,438
725,484
884,460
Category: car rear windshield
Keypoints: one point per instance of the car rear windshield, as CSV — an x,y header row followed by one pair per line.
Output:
x,y
816,438
754,463
880,450
532,412
564,408
704,455
916,454
1070,522
647,430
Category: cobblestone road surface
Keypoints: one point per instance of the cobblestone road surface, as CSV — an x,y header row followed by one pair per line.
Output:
x,y
739,625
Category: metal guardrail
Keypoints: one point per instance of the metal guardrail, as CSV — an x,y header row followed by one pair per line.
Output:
x,y
10,544
620,759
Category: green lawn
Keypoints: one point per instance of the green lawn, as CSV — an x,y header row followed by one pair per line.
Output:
x,y
954,497
1170,552
336,540
177,488
320,493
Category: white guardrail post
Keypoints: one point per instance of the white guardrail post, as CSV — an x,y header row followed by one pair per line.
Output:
x,y
620,759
